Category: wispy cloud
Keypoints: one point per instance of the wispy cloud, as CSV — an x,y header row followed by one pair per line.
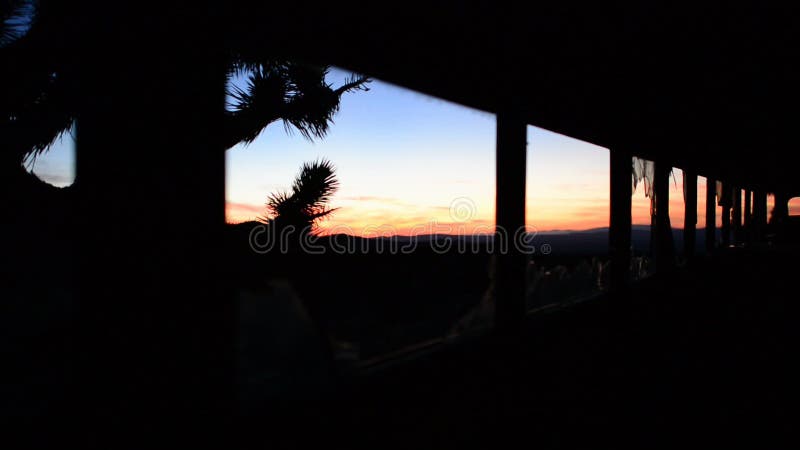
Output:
x,y
241,212
245,207
370,198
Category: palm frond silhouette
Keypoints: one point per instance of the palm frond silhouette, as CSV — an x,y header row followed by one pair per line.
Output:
x,y
307,202
39,94
15,19
294,93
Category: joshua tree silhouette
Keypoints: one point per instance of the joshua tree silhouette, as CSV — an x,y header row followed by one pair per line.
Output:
x,y
307,202
40,92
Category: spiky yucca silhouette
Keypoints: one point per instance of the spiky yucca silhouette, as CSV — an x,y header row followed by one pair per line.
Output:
x,y
307,202
40,89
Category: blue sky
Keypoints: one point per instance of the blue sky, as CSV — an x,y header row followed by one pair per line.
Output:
x,y
403,158
57,165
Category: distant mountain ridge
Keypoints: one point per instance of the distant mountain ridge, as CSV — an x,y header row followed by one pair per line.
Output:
x,y
560,242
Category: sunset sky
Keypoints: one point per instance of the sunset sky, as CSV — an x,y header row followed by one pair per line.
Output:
x,y
413,164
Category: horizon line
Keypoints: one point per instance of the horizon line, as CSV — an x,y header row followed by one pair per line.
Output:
x,y
551,231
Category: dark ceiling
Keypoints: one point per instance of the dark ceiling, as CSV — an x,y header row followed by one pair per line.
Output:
x,y
712,88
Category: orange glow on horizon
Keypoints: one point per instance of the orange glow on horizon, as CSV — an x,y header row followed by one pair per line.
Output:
x,y
794,206
582,208
374,216
553,203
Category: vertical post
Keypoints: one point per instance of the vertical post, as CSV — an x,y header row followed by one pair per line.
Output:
x,y
690,213
759,220
737,215
664,248
619,233
510,222
711,216
748,216
781,208
726,201
780,215
156,326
